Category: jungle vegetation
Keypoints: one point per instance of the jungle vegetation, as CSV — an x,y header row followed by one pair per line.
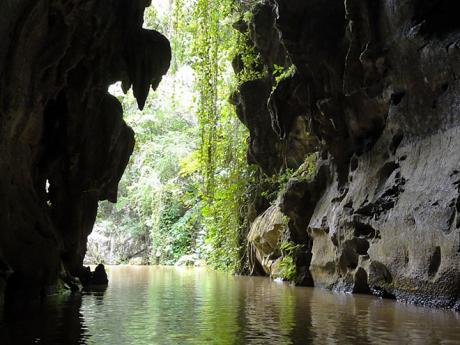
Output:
x,y
188,185
188,177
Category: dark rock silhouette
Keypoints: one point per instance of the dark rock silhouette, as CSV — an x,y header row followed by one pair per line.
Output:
x,y
63,142
97,277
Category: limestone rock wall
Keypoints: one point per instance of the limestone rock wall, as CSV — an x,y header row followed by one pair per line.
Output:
x,y
377,82
113,249
275,143
63,142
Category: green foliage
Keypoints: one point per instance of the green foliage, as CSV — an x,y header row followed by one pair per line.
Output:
x,y
280,73
152,195
222,153
150,192
177,229
275,183
251,62
187,179
286,266
306,170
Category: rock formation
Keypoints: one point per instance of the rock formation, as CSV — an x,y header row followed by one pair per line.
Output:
x,y
377,84
116,248
63,142
265,235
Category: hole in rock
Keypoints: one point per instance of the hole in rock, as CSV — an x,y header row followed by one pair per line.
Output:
x,y
362,246
353,163
397,97
396,141
457,214
379,274
406,257
385,172
364,230
435,262
348,259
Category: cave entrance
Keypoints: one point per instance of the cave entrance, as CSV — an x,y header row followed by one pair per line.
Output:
x,y
155,214
156,191
179,199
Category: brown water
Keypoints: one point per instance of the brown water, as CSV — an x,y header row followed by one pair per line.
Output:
x,y
167,305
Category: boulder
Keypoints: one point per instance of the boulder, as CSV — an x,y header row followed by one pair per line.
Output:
x,y
265,237
99,276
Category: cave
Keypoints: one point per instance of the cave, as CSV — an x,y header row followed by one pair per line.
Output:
x,y
352,119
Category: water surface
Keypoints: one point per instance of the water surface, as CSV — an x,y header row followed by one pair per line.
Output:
x,y
168,305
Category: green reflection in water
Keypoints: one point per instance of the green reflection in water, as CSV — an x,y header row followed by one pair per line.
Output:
x,y
168,306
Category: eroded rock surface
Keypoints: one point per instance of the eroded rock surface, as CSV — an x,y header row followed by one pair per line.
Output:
x,y
377,82
279,136
265,235
63,142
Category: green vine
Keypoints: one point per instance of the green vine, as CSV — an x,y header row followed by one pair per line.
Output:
x,y
222,150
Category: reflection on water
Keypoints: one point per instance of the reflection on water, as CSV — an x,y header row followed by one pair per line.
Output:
x,y
167,305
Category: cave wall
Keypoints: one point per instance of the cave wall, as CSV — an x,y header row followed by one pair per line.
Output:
x,y
377,82
63,142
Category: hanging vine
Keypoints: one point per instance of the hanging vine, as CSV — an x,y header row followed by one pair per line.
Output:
x,y
223,139
186,187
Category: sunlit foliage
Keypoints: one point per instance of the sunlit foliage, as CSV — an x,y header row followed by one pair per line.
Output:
x,y
183,189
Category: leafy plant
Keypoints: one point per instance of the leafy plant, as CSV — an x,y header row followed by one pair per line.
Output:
x,y
280,73
251,62
286,267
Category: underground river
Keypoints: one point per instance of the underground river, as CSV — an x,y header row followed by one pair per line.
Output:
x,y
169,305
